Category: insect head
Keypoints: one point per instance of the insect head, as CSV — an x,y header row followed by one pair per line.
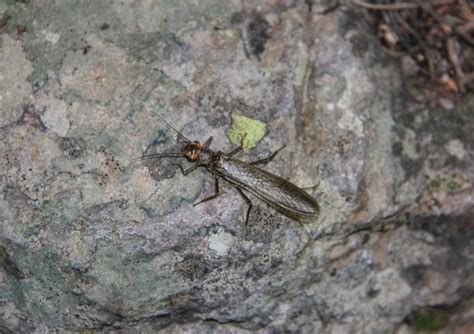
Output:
x,y
192,150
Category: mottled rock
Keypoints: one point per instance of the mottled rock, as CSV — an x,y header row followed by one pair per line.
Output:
x,y
91,239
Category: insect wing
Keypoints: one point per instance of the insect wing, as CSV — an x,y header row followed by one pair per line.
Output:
x,y
279,193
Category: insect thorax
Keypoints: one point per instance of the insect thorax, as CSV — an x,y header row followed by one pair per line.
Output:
x,y
207,157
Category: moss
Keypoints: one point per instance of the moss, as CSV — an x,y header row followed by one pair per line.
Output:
x,y
451,182
435,184
430,320
251,130
453,185
164,24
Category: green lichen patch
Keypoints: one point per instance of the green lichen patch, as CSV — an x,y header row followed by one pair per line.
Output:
x,y
227,32
430,320
303,62
433,184
447,181
251,130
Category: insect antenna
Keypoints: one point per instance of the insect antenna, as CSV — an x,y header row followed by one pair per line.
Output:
x,y
154,156
169,126
165,154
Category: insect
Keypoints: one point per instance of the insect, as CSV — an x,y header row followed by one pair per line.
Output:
x,y
278,193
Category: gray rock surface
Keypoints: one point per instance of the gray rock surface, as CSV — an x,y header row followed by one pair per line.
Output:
x,y
91,240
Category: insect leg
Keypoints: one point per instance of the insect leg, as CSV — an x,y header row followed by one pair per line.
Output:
x,y
249,204
187,170
239,148
265,160
235,150
314,186
216,193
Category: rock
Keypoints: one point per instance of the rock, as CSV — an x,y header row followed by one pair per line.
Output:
x,y
91,239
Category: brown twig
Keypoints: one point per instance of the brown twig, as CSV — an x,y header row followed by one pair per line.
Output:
x,y
330,9
437,35
398,6
453,56
464,31
466,10
429,9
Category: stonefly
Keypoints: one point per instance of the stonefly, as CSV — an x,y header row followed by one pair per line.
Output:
x,y
280,194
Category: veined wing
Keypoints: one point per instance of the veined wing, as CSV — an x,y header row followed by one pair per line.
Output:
x,y
279,193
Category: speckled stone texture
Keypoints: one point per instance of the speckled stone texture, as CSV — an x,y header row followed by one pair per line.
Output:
x,y
91,240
